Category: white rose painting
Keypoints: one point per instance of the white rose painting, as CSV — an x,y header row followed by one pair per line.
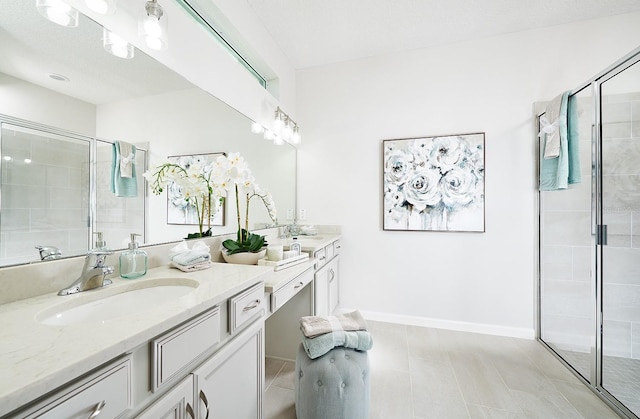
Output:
x,y
434,183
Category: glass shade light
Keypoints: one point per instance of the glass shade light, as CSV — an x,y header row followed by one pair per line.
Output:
x,y
256,128
104,7
268,135
295,137
58,12
153,26
278,122
116,45
287,130
278,140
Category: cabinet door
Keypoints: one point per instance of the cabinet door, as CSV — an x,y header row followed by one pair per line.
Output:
x,y
176,404
334,268
321,291
230,384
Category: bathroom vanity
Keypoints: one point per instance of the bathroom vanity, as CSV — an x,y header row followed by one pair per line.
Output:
x,y
170,344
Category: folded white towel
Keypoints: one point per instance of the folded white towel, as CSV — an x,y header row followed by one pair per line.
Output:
x,y
550,122
182,255
127,157
191,268
313,326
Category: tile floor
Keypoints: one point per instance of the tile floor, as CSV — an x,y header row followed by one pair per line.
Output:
x,y
423,373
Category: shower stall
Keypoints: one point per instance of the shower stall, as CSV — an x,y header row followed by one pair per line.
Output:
x,y
589,244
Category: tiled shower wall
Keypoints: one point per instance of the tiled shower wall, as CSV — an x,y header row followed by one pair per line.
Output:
x,y
568,300
621,205
46,201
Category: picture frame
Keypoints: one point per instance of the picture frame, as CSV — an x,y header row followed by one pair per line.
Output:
x,y
178,211
434,183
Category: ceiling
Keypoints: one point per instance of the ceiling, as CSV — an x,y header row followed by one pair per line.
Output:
x,y
33,47
313,33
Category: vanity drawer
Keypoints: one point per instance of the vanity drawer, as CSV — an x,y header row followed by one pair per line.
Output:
x,y
284,294
174,350
320,256
336,247
245,307
330,251
107,390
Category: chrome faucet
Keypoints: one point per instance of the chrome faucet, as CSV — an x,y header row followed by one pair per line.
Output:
x,y
49,252
93,274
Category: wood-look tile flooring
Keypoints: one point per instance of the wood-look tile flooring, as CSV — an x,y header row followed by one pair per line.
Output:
x,y
424,373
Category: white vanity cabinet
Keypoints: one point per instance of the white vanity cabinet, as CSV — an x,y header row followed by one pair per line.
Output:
x,y
223,371
178,403
326,280
230,384
326,287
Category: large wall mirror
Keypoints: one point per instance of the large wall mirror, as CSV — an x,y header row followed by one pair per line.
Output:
x,y
62,79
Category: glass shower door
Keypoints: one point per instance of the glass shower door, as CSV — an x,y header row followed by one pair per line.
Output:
x,y
620,255
567,297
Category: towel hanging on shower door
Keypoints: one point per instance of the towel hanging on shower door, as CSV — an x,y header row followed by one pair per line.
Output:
x,y
559,145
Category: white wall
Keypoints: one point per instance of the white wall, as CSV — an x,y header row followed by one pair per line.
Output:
x,y
24,100
470,281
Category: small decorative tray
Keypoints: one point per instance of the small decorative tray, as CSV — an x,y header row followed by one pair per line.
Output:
x,y
284,263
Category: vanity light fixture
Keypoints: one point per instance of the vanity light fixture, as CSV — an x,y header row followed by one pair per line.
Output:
x,y
116,45
285,129
58,12
152,26
104,7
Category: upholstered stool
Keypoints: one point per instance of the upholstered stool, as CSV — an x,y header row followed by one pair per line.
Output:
x,y
335,385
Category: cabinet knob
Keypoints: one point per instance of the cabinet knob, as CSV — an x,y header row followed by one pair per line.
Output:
x,y
97,410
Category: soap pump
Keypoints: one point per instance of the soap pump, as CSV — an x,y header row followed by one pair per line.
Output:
x,y
133,262
100,243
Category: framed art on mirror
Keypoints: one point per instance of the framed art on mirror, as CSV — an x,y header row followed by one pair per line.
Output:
x,y
434,183
182,211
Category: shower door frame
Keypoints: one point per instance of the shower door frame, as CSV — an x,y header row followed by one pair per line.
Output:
x,y
598,231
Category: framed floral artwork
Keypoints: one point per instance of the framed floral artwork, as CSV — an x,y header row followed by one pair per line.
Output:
x,y
434,183
180,211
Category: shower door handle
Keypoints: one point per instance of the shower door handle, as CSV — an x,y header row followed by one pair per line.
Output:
x,y
601,235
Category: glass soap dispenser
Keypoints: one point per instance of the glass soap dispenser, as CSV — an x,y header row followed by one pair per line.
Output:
x,y
133,262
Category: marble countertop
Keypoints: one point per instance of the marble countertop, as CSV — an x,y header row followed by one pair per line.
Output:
x,y
36,358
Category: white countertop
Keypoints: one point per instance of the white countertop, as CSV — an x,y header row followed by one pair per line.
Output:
x,y
36,358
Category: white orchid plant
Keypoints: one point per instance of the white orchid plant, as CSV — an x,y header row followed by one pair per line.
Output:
x,y
204,184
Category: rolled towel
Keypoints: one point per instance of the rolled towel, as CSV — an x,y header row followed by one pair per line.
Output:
x,y
191,268
359,340
312,326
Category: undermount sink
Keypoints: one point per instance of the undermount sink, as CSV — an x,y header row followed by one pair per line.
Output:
x,y
128,301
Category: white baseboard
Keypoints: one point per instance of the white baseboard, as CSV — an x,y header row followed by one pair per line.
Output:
x,y
487,329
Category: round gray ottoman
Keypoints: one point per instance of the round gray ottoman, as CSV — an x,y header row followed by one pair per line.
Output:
x,y
333,386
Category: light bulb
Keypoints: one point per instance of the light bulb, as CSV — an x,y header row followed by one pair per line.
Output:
x,y
287,131
102,6
268,135
295,137
256,128
116,45
58,12
278,140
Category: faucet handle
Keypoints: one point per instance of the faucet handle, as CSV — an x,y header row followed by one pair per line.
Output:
x,y
100,255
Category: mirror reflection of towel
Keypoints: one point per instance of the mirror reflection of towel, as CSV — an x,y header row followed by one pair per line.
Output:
x,y
123,186
127,157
